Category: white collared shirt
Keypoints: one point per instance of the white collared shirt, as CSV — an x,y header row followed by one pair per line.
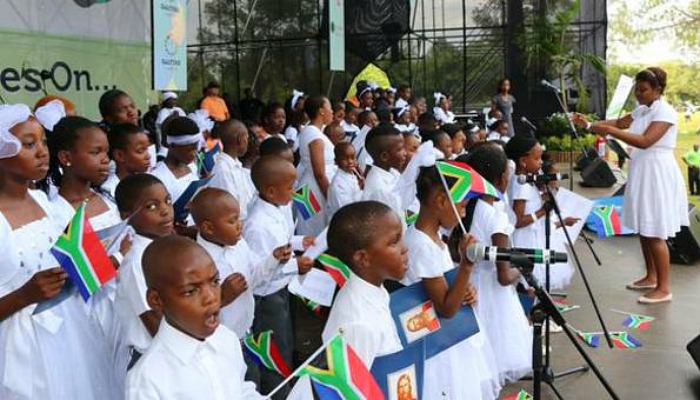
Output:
x,y
267,228
178,366
379,186
444,117
362,311
363,157
238,316
228,174
344,189
400,103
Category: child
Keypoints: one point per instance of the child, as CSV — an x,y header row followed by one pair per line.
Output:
x,y
456,133
530,208
273,121
465,370
117,107
411,142
297,121
498,131
442,142
36,346
334,131
350,121
128,148
367,120
338,111
346,186
228,172
253,153
168,108
143,199
178,169
269,226
385,145
402,118
443,109
499,308
206,129
276,147
192,356
405,94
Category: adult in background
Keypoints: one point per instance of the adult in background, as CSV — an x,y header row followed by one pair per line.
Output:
x,y
214,104
692,160
503,101
168,108
655,202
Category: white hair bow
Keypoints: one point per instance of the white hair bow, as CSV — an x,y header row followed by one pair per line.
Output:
x,y
11,115
50,113
373,85
201,118
296,95
391,90
438,96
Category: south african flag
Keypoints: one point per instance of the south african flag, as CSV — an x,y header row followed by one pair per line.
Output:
x,y
606,221
638,321
306,203
80,252
522,395
465,183
623,340
263,350
591,339
335,268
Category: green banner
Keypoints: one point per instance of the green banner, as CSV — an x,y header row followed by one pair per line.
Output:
x,y
336,32
79,68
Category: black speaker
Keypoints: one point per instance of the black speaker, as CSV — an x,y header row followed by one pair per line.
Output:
x,y
598,174
585,158
684,248
693,348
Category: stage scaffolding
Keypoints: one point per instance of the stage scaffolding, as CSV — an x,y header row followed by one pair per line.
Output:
x,y
460,47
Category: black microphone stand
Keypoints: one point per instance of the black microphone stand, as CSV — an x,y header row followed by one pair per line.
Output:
x,y
541,312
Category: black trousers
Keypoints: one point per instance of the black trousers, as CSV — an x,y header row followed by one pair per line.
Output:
x,y
694,180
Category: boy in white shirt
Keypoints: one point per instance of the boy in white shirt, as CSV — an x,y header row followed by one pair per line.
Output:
x,y
346,186
228,172
143,199
270,225
386,146
192,356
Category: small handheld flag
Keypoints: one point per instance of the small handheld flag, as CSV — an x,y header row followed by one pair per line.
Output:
x,y
264,351
465,182
522,395
335,268
564,306
636,321
79,251
306,203
623,340
411,217
592,339
607,221
341,374
311,305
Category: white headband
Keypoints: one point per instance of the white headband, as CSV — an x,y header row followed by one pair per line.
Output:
x,y
402,111
201,118
296,95
50,113
184,140
391,90
365,90
373,85
438,96
10,116
169,95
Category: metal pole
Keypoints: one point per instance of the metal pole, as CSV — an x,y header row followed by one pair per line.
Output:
x,y
425,50
201,53
464,55
237,43
260,65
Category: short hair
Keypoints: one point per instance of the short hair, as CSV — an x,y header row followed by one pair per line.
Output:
x,y
266,171
107,100
428,180
339,149
270,109
489,160
452,129
120,134
177,247
229,132
384,114
379,138
204,204
130,188
338,105
273,146
333,125
426,118
313,106
518,146
354,227
403,87
497,124
180,126
364,116
212,85
654,76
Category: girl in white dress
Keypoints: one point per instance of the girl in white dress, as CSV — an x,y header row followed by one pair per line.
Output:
x,y
655,203
530,209
466,370
499,308
443,108
54,354
316,165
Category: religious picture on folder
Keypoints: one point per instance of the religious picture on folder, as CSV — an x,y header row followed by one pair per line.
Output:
x,y
419,321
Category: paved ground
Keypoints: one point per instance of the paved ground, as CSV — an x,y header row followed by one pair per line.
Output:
x,y
661,368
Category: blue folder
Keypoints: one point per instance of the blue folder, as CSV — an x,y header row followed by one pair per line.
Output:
x,y
402,370
180,205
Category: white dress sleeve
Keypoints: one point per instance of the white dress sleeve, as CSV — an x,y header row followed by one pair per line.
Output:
x,y
424,260
665,113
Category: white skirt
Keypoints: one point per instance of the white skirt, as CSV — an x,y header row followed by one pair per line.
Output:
x,y
502,316
655,202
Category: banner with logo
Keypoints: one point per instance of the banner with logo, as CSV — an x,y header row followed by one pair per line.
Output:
x,y
169,45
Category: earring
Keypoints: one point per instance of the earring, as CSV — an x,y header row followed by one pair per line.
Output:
x,y
68,164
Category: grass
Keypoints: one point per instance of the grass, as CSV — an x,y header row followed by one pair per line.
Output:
x,y
687,136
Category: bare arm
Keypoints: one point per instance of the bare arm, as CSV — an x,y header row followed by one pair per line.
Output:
x,y
42,286
654,132
318,164
506,274
522,219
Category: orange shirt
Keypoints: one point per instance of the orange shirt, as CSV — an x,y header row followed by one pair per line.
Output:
x,y
216,107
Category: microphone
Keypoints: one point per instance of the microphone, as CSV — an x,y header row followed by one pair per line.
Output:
x,y
541,178
479,252
528,123
549,85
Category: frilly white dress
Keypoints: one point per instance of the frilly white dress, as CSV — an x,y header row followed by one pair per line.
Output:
x,y
499,308
468,369
54,354
655,203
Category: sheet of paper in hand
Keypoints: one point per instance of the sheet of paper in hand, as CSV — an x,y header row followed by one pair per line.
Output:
x,y
183,201
415,318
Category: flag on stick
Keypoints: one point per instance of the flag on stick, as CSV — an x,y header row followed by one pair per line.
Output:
x,y
80,252
592,339
464,182
264,351
623,340
635,321
565,306
306,203
335,268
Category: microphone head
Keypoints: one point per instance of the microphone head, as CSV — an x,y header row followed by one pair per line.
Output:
x,y
559,257
544,82
523,119
475,252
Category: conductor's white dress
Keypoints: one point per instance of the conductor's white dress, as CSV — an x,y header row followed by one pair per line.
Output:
x,y
55,354
466,370
655,202
499,308
314,225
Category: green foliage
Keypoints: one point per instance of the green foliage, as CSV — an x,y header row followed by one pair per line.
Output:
x,y
682,81
565,143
